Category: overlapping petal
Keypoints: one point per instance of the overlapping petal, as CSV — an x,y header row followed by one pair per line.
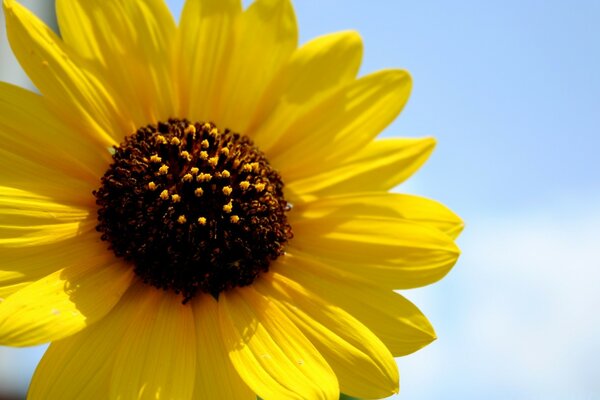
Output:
x,y
156,357
369,238
137,36
269,352
29,130
204,42
380,166
263,39
216,376
63,302
340,125
392,318
72,86
313,72
363,365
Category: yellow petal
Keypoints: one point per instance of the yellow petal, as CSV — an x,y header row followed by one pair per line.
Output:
x,y
63,302
26,264
392,318
386,250
363,365
264,38
269,352
156,357
387,205
78,94
24,173
204,44
380,166
28,219
28,129
216,377
341,125
88,355
134,35
313,72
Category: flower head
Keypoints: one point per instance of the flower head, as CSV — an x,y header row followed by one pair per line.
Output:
x,y
203,211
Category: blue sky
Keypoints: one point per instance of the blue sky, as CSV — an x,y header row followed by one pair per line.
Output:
x,y
511,90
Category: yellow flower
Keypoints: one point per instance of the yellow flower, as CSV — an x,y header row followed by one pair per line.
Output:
x,y
203,211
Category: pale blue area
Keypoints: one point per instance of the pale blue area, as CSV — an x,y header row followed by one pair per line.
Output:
x,y
511,90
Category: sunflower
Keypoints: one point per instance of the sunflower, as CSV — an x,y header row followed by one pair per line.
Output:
x,y
202,211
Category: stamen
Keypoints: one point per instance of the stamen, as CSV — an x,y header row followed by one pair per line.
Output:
x,y
188,238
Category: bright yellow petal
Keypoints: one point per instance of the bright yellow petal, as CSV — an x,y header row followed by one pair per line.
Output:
x,y
134,35
380,166
29,129
313,72
363,365
28,219
269,352
392,318
265,36
204,45
216,377
386,205
88,355
81,98
63,302
26,264
156,357
23,173
341,125
370,244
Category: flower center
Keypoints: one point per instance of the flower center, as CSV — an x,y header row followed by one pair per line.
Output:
x,y
193,208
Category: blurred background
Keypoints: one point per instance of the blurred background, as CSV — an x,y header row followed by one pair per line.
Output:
x,y
511,90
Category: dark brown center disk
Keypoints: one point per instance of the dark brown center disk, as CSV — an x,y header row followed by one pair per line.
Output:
x,y
192,208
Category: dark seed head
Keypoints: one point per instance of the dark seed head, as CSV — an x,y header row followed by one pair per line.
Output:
x,y
192,208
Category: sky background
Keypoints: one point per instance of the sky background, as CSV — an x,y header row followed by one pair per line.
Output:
x,y
511,90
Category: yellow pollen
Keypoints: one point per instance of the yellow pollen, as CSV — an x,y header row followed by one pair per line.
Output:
x,y
151,185
204,144
190,129
160,139
163,169
214,131
202,177
187,178
206,126
234,219
213,161
182,219
194,170
225,151
259,187
228,207
244,185
227,190
186,155
164,194
176,198
202,221
199,192
175,141
225,174
255,166
203,155
155,158
247,168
